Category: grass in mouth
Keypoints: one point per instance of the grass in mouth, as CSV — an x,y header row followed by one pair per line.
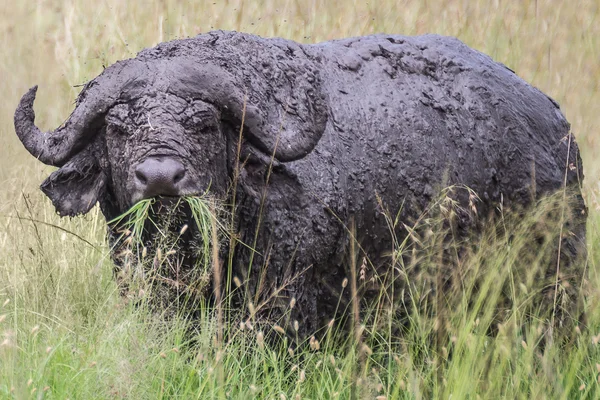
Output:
x,y
166,234
135,217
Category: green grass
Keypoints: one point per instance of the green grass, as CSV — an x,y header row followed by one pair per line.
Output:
x,y
154,238
68,330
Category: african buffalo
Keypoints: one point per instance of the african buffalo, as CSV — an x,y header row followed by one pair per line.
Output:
x,y
331,133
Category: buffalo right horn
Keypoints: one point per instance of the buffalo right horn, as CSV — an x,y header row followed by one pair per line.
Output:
x,y
58,146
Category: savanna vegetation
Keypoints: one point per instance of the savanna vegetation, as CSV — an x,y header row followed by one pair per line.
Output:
x,y
69,330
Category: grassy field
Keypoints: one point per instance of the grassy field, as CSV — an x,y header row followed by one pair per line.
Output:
x,y
65,331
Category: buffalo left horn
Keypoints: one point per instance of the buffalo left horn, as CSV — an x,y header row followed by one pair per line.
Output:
x,y
269,126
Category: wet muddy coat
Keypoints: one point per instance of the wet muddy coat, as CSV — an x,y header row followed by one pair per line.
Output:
x,y
357,126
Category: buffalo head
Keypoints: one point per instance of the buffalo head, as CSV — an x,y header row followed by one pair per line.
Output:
x,y
154,126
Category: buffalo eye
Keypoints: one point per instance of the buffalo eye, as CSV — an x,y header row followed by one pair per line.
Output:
x,y
117,129
200,124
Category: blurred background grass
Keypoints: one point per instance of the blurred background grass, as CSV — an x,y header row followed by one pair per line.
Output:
x,y
60,283
60,44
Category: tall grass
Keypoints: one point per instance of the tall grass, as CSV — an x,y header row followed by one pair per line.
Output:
x,y
86,340
67,330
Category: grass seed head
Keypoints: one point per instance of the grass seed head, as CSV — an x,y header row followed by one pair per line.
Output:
x,y
260,339
314,344
183,229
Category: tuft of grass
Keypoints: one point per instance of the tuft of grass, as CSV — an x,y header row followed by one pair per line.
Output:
x,y
135,218
208,217
167,250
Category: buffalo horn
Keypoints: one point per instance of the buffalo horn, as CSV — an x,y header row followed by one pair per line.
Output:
x,y
58,146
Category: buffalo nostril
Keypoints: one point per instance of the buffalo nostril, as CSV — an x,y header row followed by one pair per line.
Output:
x,y
141,177
178,176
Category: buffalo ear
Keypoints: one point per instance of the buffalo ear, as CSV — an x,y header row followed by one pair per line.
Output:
x,y
76,187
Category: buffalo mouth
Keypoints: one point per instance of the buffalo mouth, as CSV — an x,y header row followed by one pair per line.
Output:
x,y
168,241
